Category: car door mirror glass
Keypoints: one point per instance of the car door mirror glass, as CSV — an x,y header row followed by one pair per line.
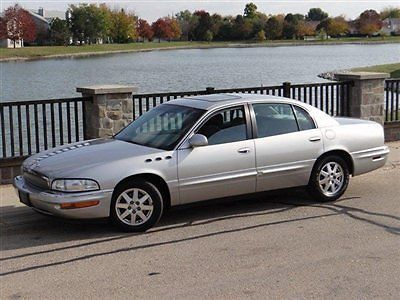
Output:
x,y
198,140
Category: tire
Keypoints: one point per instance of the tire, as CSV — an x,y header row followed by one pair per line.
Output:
x,y
136,206
329,179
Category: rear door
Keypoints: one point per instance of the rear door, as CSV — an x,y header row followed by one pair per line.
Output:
x,y
287,145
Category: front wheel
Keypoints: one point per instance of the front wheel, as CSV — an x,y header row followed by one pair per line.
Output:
x,y
329,179
136,206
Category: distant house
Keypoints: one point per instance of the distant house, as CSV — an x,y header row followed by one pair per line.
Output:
x,y
391,26
42,21
313,24
353,28
7,43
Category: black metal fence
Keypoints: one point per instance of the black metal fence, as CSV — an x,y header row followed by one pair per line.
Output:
x,y
392,95
29,127
32,126
331,97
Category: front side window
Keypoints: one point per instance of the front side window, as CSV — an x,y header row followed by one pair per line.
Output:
x,y
273,119
303,119
226,126
162,127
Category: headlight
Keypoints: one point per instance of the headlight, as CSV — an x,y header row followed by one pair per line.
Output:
x,y
74,185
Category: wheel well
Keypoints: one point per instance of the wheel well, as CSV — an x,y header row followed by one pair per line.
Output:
x,y
154,179
342,154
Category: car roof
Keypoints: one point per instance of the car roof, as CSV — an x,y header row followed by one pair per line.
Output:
x,y
211,101
214,101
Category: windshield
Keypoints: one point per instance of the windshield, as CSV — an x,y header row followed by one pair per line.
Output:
x,y
162,127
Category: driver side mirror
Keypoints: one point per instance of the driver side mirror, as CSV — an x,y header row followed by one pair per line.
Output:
x,y
198,140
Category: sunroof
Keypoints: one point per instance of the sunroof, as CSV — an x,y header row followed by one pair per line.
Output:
x,y
216,98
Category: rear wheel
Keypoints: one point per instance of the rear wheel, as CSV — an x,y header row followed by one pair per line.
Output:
x,y
329,179
136,206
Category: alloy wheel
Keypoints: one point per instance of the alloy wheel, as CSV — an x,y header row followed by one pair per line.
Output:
x,y
134,206
331,178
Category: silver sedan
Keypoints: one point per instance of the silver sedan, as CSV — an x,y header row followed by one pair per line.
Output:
x,y
201,148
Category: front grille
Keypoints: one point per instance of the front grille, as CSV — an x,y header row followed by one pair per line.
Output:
x,y
36,179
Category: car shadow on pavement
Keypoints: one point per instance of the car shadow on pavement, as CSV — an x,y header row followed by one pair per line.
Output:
x,y
22,227
48,231
32,229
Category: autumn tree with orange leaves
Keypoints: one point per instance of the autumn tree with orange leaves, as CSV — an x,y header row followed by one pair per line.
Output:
x,y
369,22
144,30
17,24
166,28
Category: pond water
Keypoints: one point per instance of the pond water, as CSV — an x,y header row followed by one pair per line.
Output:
x,y
178,70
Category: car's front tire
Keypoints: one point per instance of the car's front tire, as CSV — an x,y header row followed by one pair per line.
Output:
x,y
136,206
329,179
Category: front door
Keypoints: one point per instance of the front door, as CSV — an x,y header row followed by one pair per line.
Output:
x,y
226,166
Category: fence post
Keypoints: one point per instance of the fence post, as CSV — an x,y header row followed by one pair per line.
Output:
x,y
286,89
210,90
109,112
366,95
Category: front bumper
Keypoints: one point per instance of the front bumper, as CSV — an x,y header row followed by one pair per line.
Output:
x,y
48,202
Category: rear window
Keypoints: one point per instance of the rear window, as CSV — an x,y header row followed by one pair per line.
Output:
x,y
303,119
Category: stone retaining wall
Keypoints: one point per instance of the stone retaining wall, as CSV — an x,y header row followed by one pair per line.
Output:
x,y
392,131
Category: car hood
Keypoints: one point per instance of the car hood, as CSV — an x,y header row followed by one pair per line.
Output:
x,y
63,160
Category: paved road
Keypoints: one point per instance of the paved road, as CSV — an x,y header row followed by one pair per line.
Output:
x,y
281,245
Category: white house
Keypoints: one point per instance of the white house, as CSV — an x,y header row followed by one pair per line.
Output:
x,y
42,21
391,26
7,43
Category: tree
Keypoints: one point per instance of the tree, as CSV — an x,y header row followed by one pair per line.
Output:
x,y
175,29
216,23
166,28
78,20
209,36
259,22
369,22
316,14
106,15
59,32
204,24
242,28
123,26
17,24
250,10
290,25
225,30
390,12
273,28
304,29
144,30
261,36
91,23
187,22
336,26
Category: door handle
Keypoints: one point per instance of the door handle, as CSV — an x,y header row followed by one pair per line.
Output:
x,y
244,150
314,139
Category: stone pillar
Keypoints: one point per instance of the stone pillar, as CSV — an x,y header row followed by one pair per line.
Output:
x,y
366,96
110,110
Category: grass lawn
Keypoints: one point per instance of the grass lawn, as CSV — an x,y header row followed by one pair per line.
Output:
x,y
40,51
393,69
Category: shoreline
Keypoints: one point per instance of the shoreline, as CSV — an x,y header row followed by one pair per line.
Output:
x,y
187,47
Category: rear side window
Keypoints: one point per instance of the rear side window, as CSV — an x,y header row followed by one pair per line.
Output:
x,y
274,119
303,119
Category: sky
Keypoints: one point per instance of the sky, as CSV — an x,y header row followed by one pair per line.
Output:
x,y
153,9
